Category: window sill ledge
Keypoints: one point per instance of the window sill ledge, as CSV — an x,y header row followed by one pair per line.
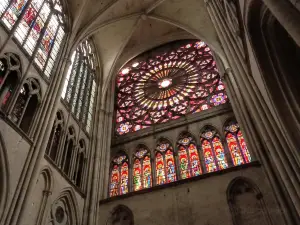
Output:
x,y
180,182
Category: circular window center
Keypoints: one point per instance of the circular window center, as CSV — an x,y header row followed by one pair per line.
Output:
x,y
165,83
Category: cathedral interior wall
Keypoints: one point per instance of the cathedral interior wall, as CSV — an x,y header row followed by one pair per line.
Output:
x,y
192,202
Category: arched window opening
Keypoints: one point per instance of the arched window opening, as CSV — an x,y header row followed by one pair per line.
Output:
x,y
80,85
142,169
119,175
27,104
165,84
69,147
10,73
213,150
80,165
39,28
165,162
121,215
246,203
55,136
236,144
188,156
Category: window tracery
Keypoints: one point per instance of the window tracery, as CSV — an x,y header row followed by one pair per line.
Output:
x,y
55,136
80,165
80,85
166,86
165,163
213,150
68,149
236,144
188,156
10,74
27,104
142,177
39,27
119,175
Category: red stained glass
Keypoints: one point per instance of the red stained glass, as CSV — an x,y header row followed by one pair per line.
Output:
x,y
114,181
234,149
166,86
194,159
243,145
171,171
209,159
160,169
137,175
147,178
183,163
219,153
11,15
124,179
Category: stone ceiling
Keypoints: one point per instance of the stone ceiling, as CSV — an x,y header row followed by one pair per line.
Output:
x,y
122,29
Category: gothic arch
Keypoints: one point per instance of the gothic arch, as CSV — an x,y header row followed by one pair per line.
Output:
x,y
246,203
64,209
4,176
121,215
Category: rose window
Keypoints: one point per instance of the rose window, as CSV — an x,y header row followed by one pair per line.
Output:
x,y
182,80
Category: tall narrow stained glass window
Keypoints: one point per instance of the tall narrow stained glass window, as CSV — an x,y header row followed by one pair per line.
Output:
x,y
164,162
80,85
213,151
119,176
39,28
166,83
142,177
236,144
188,157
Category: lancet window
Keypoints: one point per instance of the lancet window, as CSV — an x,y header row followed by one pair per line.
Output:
x,y
142,172
10,74
39,27
165,166
163,85
188,157
236,144
69,147
80,165
80,85
119,175
213,150
27,104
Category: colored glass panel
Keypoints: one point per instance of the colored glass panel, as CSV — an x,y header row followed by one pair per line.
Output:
x,y
179,81
170,164
147,179
124,179
234,149
137,175
13,12
243,145
210,164
114,181
183,163
194,160
219,153
160,169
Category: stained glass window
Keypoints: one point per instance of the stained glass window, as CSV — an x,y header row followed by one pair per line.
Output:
x,y
80,85
39,28
119,176
163,85
165,162
213,151
236,144
142,177
188,157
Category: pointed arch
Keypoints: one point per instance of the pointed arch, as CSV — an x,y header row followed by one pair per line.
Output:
x,y
188,156
213,150
142,169
119,174
121,214
4,176
246,202
64,209
165,166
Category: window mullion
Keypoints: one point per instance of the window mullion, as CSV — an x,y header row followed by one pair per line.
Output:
x,y
76,80
72,78
86,98
80,84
